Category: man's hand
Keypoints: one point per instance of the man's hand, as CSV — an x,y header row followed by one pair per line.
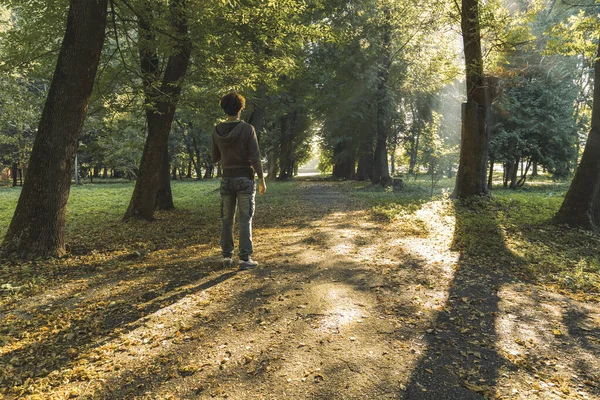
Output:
x,y
262,186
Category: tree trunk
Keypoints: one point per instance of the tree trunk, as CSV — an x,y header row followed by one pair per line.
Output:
x,y
491,175
381,173
14,172
343,168
471,175
76,172
513,174
534,171
209,172
197,166
37,227
257,117
160,118
365,167
272,165
164,197
581,207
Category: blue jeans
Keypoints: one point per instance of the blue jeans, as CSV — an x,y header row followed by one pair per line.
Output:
x,y
241,191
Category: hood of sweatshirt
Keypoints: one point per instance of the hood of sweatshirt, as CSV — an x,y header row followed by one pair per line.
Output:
x,y
228,132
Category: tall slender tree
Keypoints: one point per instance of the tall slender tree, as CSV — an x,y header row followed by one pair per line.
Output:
x,y
37,227
160,118
150,69
471,176
581,207
381,173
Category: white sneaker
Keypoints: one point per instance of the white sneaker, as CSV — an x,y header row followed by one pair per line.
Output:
x,y
248,264
227,261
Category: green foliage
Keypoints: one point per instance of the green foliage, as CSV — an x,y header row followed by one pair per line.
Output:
x,y
576,36
534,120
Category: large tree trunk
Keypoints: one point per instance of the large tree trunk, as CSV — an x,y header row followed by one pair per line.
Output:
x,y
164,197
471,175
381,172
364,171
149,66
160,118
37,227
581,207
343,168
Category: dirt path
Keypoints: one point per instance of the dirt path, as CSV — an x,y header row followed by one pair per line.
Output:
x,y
342,307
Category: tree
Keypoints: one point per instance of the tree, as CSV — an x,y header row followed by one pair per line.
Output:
x,y
37,227
534,121
471,176
160,117
581,207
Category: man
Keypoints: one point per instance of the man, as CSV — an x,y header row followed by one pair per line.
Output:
x,y
236,146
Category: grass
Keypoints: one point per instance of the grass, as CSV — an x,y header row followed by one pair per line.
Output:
x,y
512,229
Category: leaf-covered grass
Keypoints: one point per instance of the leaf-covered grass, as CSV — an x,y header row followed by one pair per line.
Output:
x,y
430,265
512,230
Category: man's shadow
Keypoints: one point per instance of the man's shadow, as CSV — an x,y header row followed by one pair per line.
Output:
x,y
461,360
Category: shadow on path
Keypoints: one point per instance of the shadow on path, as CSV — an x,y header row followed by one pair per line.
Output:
x,y
461,360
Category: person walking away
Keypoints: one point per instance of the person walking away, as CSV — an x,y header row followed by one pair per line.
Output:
x,y
235,145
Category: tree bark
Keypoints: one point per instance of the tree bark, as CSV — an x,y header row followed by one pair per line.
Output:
x,y
160,118
14,172
149,66
272,165
471,175
514,170
343,168
581,207
364,171
164,197
286,161
257,117
381,173
37,227
491,175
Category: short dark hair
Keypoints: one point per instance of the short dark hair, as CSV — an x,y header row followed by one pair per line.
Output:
x,y
232,103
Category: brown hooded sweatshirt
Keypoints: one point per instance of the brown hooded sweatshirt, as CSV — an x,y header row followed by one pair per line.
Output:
x,y
236,146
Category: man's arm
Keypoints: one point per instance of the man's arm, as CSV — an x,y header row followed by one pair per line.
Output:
x,y
254,151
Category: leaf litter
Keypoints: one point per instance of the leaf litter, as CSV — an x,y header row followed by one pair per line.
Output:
x,y
343,306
